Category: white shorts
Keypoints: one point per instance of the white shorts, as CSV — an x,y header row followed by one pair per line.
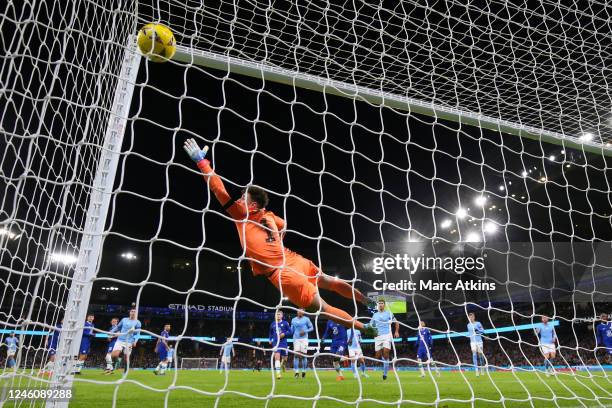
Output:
x,y
384,341
10,353
300,346
169,359
355,353
226,359
476,347
123,346
547,348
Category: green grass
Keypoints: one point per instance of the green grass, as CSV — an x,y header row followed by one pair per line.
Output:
x,y
131,391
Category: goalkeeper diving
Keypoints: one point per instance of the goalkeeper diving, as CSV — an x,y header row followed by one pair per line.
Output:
x,y
261,233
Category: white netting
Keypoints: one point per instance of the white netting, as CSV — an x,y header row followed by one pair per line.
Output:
x,y
58,62
351,178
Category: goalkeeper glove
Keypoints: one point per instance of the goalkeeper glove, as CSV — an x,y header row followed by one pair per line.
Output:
x,y
193,150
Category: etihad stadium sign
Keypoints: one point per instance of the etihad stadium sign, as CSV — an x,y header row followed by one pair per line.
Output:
x,y
201,308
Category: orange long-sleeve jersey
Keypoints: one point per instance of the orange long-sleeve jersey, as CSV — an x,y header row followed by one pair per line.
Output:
x,y
258,230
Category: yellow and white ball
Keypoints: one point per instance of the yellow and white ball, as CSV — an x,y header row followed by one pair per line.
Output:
x,y
156,42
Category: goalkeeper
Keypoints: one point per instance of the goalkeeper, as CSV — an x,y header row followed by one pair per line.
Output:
x,y
260,235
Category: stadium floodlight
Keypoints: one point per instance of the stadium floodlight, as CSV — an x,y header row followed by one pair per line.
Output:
x,y
461,213
61,258
473,236
587,137
552,157
8,233
490,227
524,173
129,256
446,223
480,200
413,238
501,188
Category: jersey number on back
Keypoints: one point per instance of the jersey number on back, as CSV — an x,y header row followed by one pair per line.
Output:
x,y
270,237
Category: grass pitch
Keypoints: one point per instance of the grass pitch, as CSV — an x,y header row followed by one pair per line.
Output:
x,y
533,390
186,389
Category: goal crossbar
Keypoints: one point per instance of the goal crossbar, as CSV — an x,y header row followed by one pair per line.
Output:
x,y
378,97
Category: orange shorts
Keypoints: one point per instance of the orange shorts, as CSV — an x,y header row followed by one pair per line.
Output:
x,y
297,280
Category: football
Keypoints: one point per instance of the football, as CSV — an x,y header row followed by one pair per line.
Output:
x,y
156,42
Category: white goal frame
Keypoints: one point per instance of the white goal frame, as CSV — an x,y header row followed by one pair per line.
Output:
x,y
90,248
377,97
216,360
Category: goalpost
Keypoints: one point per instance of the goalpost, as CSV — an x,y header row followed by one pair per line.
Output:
x,y
192,363
411,76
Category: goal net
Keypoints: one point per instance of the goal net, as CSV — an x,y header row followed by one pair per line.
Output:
x,y
404,144
188,363
64,102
